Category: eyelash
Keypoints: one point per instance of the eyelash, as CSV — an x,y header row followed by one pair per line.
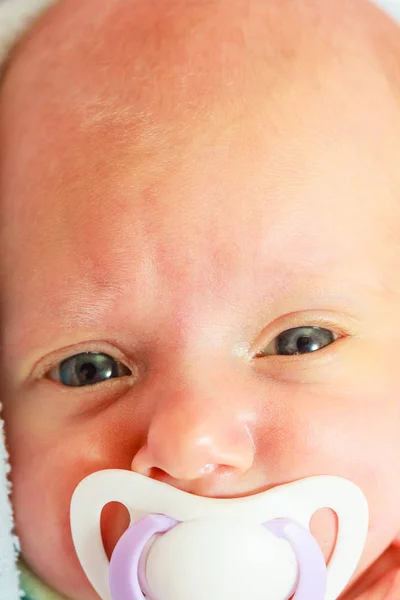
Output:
x,y
270,333
54,360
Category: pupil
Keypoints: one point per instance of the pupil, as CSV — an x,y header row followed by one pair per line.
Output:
x,y
89,368
301,340
303,343
87,371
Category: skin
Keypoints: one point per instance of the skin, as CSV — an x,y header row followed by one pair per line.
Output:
x,y
177,189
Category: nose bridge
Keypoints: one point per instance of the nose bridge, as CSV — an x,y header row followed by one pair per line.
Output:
x,y
197,428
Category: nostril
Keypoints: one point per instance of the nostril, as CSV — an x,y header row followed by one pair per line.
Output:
x,y
114,521
158,474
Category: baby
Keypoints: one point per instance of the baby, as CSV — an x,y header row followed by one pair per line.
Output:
x,y
200,261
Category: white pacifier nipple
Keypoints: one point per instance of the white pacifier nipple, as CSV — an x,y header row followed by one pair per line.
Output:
x,y
185,547
219,558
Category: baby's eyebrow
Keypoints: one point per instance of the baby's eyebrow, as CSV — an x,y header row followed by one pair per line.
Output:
x,y
89,318
84,312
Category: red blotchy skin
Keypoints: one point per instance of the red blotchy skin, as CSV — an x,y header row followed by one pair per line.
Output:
x,y
178,188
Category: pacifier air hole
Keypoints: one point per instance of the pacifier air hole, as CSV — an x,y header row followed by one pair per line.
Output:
x,y
324,526
114,521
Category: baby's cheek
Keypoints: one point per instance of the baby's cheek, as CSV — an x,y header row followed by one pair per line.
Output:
x,y
42,521
352,433
45,475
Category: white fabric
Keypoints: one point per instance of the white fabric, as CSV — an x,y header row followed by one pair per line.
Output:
x,y
8,546
392,7
15,18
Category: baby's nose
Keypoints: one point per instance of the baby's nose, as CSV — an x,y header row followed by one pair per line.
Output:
x,y
192,437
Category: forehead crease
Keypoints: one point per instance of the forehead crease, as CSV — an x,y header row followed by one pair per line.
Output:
x,y
114,240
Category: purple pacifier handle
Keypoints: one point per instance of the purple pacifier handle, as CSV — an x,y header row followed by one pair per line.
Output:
x,y
312,567
127,579
124,563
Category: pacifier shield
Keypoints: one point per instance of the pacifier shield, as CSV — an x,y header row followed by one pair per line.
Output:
x,y
285,511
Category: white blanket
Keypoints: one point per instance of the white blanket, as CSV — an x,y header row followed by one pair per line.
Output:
x,y
8,546
390,6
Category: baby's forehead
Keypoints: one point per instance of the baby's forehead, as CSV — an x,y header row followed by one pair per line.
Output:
x,y
207,61
110,160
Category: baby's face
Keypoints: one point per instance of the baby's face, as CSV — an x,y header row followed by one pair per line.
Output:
x,y
227,255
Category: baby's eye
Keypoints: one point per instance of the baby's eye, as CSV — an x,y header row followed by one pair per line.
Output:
x,y
299,340
88,368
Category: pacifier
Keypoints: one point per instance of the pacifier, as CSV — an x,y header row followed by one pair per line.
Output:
x,y
185,547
